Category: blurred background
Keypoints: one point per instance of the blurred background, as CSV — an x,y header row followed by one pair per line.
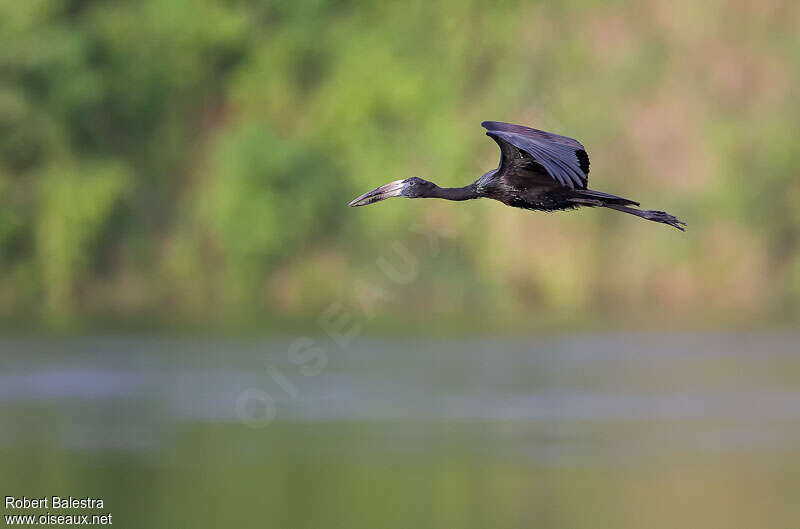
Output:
x,y
200,332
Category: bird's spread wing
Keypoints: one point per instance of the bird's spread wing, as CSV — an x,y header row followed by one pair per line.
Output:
x,y
563,158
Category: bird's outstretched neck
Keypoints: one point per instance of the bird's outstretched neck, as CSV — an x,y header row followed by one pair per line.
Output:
x,y
455,193
415,188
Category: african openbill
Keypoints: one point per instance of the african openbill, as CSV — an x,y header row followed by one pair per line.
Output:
x,y
538,170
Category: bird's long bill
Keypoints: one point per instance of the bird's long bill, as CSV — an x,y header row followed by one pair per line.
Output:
x,y
392,189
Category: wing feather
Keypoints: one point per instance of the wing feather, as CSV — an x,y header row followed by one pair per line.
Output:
x,y
563,158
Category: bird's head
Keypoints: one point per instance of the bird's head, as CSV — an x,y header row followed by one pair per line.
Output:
x,y
413,187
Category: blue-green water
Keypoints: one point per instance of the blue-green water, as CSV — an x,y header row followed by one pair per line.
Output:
x,y
588,431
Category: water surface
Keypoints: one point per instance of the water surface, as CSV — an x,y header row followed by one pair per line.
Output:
x,y
587,431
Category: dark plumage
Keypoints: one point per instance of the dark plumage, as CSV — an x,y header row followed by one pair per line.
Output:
x,y
538,170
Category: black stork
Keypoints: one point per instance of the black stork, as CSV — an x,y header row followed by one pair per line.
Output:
x,y
538,170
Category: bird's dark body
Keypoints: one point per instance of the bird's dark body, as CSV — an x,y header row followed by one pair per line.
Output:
x,y
541,197
550,201
538,171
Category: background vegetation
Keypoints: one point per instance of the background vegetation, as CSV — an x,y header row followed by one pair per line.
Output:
x,y
190,161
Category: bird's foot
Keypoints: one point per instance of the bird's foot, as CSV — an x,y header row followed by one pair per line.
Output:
x,y
665,218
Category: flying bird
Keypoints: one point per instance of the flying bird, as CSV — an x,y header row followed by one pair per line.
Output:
x,y
538,170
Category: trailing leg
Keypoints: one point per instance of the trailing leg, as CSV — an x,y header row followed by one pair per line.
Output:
x,y
649,214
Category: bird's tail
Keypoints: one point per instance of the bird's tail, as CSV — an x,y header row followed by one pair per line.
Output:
x,y
605,200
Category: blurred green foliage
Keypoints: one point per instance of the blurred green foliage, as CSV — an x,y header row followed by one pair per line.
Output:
x,y
191,160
